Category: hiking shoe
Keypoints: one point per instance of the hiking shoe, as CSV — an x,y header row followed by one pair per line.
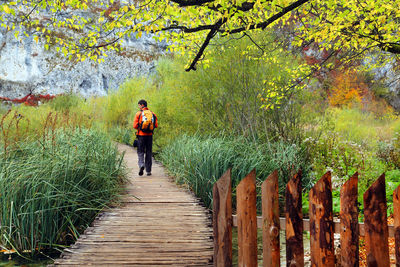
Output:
x,y
149,173
141,171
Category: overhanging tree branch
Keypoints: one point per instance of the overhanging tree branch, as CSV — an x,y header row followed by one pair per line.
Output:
x,y
210,35
273,18
216,28
183,3
188,30
393,48
246,6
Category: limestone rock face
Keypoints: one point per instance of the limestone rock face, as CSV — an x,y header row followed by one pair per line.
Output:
x,y
390,75
26,66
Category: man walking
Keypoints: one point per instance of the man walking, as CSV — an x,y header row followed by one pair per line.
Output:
x,y
145,122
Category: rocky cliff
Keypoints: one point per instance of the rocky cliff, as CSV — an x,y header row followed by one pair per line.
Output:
x,y
26,66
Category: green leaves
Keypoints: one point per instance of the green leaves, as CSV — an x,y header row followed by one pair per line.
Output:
x,y
334,24
356,25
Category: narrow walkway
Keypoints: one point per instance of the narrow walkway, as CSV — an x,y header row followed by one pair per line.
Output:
x,y
158,224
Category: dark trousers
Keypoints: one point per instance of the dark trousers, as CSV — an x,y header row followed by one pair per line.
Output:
x,y
144,151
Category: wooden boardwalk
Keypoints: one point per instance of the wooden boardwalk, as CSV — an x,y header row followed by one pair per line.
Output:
x,y
158,224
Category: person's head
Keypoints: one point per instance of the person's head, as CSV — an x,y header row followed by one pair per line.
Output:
x,y
142,103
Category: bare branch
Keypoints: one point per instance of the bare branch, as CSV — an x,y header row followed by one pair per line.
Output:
x,y
255,43
103,44
188,30
26,17
183,3
230,39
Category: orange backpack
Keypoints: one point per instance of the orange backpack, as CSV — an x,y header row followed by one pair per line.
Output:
x,y
147,121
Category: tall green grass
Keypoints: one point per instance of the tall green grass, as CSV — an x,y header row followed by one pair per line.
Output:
x,y
199,161
362,127
51,189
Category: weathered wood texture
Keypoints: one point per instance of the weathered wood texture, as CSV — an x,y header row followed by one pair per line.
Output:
x,y
396,213
306,225
376,229
321,223
222,220
294,223
270,217
247,221
158,224
349,230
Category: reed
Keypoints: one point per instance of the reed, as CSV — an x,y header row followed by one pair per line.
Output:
x,y
52,188
199,161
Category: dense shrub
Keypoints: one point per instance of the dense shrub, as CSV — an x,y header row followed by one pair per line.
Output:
x,y
350,141
51,188
389,151
198,162
227,95
66,102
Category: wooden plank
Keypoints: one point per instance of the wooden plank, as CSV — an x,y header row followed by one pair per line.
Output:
x,y
396,214
270,217
222,220
247,221
146,245
321,223
138,256
143,229
294,222
349,234
158,224
156,263
132,249
376,230
136,262
132,264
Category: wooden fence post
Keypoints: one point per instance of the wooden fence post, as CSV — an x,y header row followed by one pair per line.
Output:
x,y
294,223
321,223
396,214
247,221
349,229
270,218
376,228
222,220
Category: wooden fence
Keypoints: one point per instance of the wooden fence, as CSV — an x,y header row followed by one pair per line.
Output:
x,y
321,223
